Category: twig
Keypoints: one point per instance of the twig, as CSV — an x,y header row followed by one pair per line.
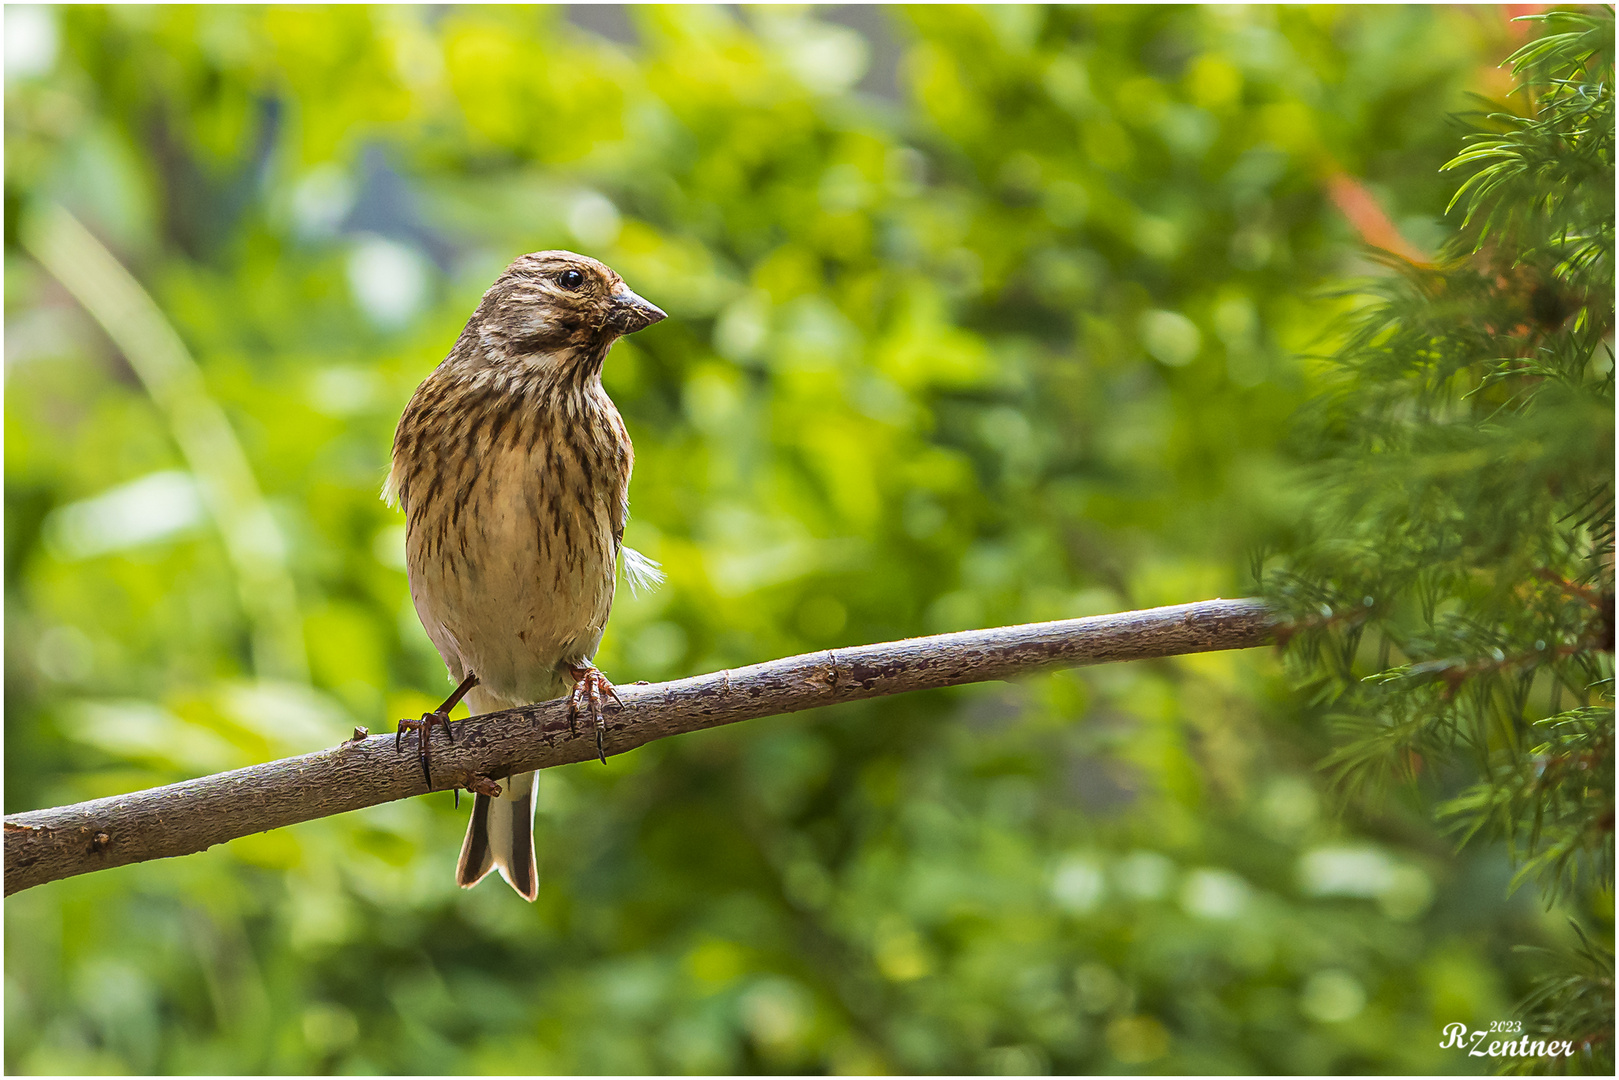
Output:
x,y
134,322
46,845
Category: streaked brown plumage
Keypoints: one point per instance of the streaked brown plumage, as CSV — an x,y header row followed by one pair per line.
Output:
x,y
513,469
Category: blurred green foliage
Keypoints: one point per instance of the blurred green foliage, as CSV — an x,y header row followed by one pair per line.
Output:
x,y
978,316
1452,597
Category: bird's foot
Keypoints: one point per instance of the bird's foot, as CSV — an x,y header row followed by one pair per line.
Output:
x,y
590,691
439,717
429,721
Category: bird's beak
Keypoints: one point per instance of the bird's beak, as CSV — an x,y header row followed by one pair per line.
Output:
x,y
631,313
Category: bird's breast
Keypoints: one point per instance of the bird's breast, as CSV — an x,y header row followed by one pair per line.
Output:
x,y
514,509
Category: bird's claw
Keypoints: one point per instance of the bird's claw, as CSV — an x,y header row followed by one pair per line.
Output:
x,y
590,687
478,784
439,717
429,721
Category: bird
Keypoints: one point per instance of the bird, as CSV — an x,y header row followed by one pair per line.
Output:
x,y
512,467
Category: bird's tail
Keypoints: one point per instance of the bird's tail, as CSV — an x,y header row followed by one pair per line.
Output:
x,y
501,837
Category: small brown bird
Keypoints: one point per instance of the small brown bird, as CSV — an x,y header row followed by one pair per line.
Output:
x,y
513,469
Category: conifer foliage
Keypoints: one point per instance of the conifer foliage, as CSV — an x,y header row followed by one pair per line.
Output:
x,y
1451,595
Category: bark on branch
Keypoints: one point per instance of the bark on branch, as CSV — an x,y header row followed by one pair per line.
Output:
x,y
46,845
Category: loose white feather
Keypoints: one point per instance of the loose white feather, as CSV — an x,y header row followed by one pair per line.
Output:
x,y
640,572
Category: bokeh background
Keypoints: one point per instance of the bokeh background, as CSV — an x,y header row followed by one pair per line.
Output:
x,y
978,316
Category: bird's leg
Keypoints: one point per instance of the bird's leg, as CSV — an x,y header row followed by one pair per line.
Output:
x,y
589,688
439,717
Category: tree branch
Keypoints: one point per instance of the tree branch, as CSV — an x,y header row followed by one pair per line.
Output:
x,y
183,818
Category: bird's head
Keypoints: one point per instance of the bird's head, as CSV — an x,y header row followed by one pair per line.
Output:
x,y
556,304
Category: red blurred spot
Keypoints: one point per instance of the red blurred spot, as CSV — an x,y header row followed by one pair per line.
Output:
x,y
1364,212
1515,11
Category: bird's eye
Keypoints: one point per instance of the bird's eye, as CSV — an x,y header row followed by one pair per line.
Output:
x,y
570,279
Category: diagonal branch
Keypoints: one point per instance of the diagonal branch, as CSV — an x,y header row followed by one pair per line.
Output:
x,y
183,818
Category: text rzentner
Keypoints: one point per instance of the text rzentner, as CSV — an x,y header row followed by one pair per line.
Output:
x,y
1457,1035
